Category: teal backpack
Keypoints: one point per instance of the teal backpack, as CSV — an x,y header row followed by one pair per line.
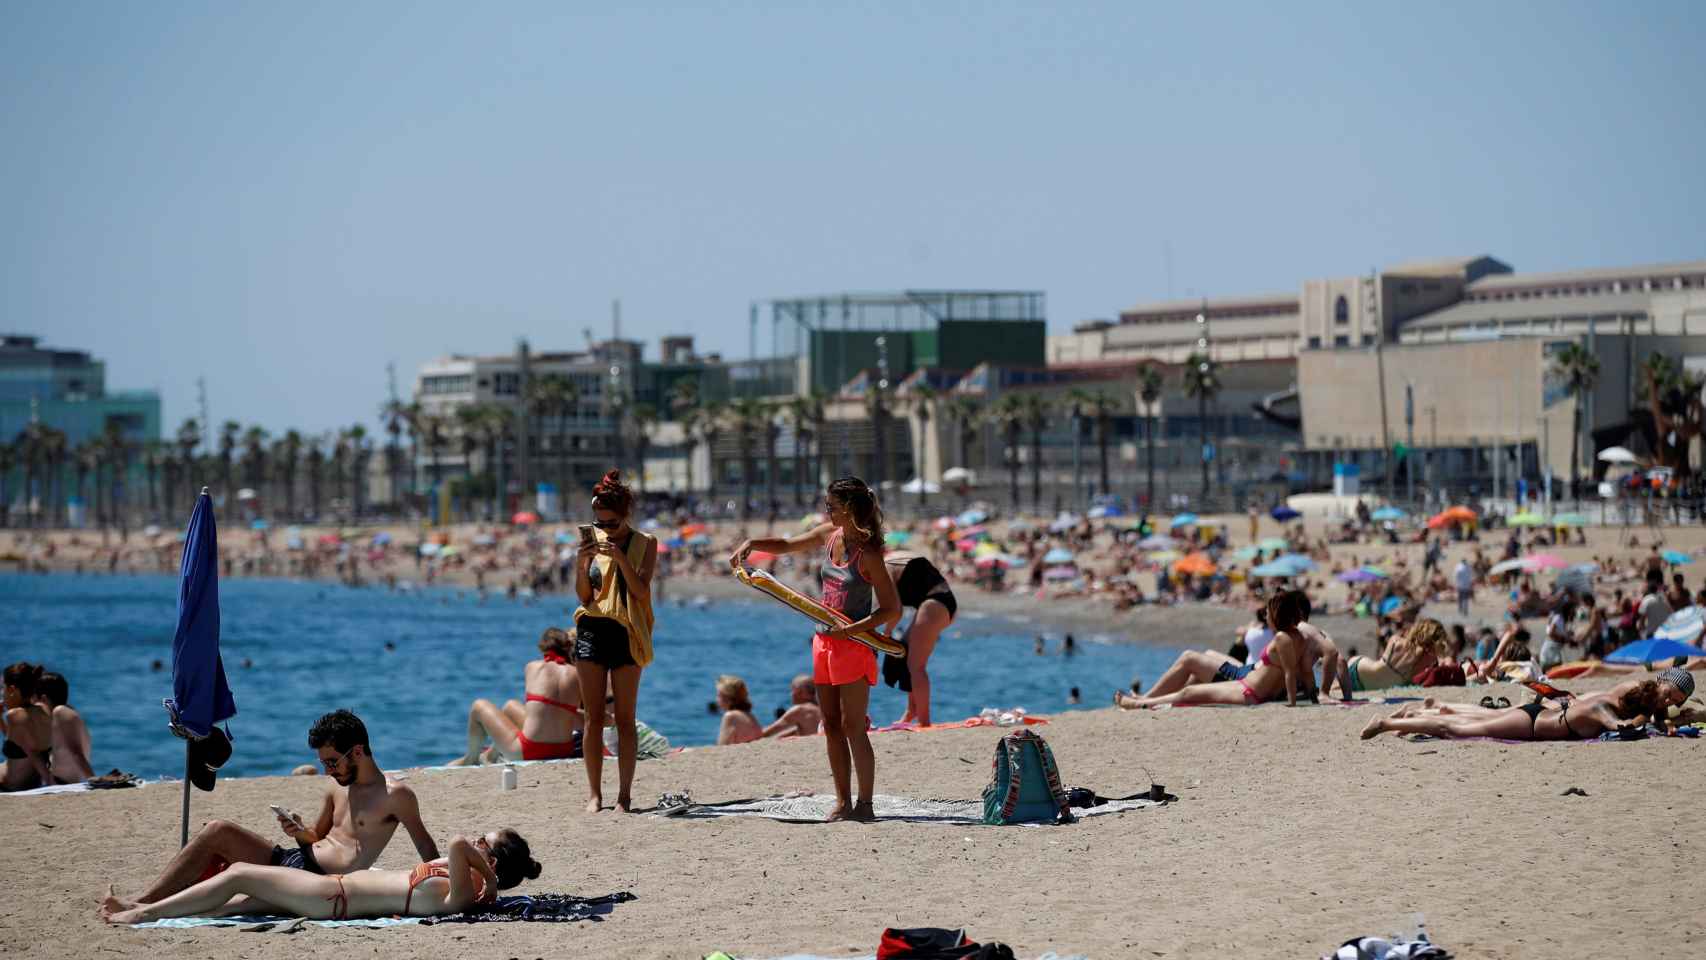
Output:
x,y
1024,785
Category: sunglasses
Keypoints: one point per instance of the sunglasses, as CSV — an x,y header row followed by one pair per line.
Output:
x,y
330,764
607,524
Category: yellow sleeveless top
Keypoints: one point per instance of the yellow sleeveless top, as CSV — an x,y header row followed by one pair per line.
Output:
x,y
621,606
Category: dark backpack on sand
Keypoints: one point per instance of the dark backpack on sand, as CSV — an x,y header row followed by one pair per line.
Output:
x,y
1024,784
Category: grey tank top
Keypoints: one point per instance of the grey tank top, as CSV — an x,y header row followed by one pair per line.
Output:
x,y
844,588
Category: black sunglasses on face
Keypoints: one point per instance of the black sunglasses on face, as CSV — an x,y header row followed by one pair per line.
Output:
x,y
607,524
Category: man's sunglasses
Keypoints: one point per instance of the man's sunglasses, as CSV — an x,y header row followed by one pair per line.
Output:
x,y
329,764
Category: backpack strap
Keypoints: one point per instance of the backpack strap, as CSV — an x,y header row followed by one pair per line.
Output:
x,y
1009,747
1052,774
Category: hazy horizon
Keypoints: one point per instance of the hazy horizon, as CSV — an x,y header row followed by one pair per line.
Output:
x,y
284,199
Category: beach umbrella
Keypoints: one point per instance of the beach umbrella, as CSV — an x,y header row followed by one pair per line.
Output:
x,y
971,518
1157,542
1460,514
1356,576
1275,569
674,543
448,550
1063,523
1003,560
524,517
1389,604
1106,510
201,697
1677,558
1021,524
1184,520
483,540
1377,572
1657,650
965,545
1164,556
563,537
1617,455
152,530
259,524
959,475
247,493
381,538
1544,561
942,523
1058,555
690,529
1505,566
1197,565
1303,563
430,549
974,533
293,541
1577,578
1526,519
1387,513
1060,573
1246,553
1284,514
1683,626
895,538
698,540
330,539
916,485
1274,543
1569,520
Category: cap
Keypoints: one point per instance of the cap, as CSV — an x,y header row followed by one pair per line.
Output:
x,y
1680,679
207,755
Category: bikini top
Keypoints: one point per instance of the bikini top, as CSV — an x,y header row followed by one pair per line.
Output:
x,y
425,871
13,751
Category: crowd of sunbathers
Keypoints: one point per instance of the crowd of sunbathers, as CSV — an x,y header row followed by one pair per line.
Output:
x,y
46,741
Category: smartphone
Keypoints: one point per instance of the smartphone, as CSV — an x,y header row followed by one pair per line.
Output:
x,y
587,534
286,814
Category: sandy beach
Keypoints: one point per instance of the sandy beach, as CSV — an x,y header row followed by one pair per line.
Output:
x,y
1290,836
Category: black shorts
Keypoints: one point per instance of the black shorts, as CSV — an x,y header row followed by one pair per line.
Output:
x,y
603,641
296,858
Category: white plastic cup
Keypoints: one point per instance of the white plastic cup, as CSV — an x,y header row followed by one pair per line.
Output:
x,y
508,777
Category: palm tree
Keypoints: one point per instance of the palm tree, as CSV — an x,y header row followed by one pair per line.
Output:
x,y
922,405
1078,401
748,417
1149,390
434,430
712,414
553,395
1202,380
817,422
798,411
772,433
1674,398
356,438
316,460
228,433
254,461
189,437
469,425
395,415
1102,408
495,423
1008,414
1036,418
1580,372
682,401
966,413
82,462
155,457
645,418
286,453
115,452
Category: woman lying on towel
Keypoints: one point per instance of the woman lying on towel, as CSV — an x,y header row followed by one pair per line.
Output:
x,y
1409,653
1581,719
473,874
1285,666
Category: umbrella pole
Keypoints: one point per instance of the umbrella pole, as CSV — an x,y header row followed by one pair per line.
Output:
x,y
184,831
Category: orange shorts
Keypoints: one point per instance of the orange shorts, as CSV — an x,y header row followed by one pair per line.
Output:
x,y
835,662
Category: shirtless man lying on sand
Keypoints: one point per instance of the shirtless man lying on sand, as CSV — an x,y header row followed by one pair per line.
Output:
x,y
352,828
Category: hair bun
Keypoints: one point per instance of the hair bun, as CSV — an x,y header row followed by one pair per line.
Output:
x,y
533,869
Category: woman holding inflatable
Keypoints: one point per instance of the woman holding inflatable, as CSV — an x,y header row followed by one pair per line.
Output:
x,y
855,583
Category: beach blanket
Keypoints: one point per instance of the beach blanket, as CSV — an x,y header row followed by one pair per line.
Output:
x,y
59,788
1051,955
1650,732
539,908
813,808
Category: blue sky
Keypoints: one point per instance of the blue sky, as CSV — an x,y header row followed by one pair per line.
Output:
x,y
285,197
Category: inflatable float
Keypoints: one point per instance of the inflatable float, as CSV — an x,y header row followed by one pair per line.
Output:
x,y
800,603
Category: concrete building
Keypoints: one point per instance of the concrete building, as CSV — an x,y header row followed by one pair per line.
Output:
x,y
1467,342
67,390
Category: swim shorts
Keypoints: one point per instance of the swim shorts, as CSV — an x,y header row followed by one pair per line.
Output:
x,y
1232,671
603,641
835,662
297,858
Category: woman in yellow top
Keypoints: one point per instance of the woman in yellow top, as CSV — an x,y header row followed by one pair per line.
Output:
x,y
613,632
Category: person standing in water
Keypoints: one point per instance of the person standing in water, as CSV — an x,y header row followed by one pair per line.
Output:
x,y
856,582
613,633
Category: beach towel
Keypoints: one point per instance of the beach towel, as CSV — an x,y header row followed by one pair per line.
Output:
x,y
84,787
1379,948
539,908
811,808
719,955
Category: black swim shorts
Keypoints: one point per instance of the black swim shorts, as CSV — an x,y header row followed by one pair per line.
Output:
x,y
1232,671
603,641
296,858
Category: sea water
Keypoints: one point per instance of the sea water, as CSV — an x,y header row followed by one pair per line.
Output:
x,y
294,650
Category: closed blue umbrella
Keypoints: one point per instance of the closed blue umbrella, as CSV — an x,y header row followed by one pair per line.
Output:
x,y
201,697
1185,520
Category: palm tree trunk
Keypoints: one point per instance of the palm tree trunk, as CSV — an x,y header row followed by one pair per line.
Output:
x,y
1102,451
1037,470
1149,461
1575,451
1013,466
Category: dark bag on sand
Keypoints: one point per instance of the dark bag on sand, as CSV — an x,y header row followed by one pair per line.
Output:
x,y
895,672
1024,784
1442,675
934,943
